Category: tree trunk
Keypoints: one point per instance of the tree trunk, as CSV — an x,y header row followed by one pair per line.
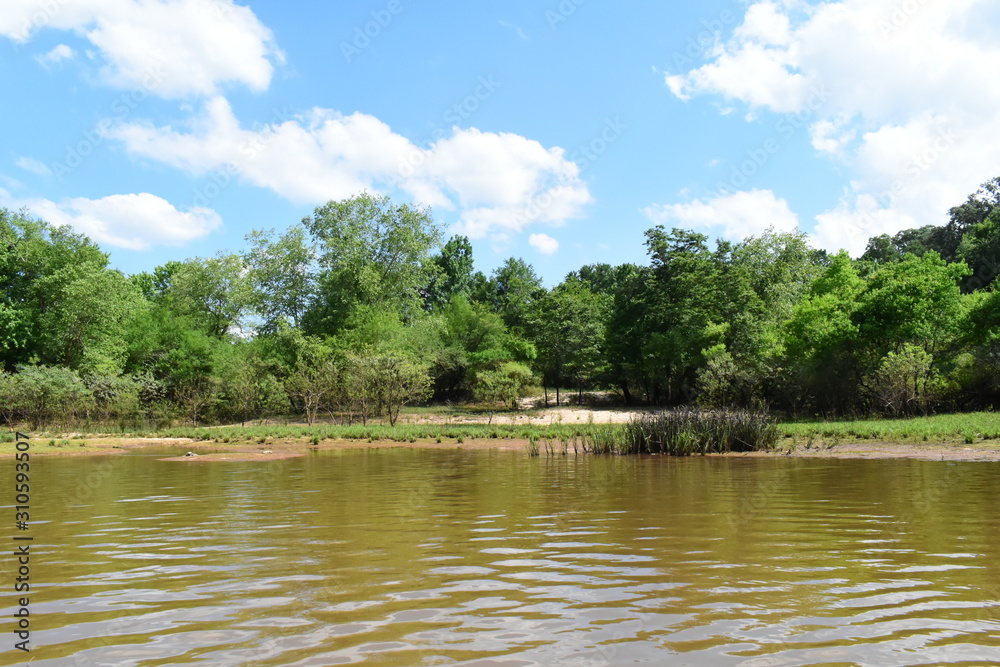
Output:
x,y
626,393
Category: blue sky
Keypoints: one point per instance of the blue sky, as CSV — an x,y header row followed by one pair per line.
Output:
x,y
554,131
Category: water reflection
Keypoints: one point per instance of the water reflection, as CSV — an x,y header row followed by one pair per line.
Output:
x,y
396,557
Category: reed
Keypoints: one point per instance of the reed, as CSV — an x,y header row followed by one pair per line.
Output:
x,y
687,431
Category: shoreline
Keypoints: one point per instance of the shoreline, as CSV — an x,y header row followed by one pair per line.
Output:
x,y
207,451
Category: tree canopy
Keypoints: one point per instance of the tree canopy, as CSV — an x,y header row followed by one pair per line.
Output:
x,y
360,309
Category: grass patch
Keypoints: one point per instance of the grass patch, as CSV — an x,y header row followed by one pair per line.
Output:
x,y
967,428
683,432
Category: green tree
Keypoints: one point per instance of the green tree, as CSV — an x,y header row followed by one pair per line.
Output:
x,y
512,292
371,253
569,332
453,275
45,394
628,331
820,364
504,384
316,381
212,293
37,263
85,324
684,303
281,274
472,339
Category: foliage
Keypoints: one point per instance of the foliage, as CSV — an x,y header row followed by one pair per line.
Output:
x,y
359,311
371,253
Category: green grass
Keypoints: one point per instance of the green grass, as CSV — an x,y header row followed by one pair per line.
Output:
x,y
968,428
686,431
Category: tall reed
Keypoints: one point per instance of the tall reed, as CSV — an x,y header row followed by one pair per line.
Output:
x,y
687,431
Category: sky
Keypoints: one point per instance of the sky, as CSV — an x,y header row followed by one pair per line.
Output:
x,y
557,131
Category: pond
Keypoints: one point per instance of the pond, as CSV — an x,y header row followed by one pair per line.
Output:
x,y
420,557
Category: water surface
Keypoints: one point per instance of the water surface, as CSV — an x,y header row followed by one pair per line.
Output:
x,y
409,557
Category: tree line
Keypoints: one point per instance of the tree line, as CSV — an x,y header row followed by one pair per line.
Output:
x,y
363,307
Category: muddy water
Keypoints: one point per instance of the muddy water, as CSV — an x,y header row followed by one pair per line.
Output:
x,y
402,557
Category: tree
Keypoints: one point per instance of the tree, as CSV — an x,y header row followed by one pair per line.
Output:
x,y
46,393
249,388
569,331
472,339
371,253
684,302
453,276
213,293
502,385
85,325
906,382
917,304
281,274
628,331
820,362
980,250
316,380
512,292
761,280
37,262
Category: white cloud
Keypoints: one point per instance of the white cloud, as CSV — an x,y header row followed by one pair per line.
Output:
x,y
732,216
497,181
55,56
135,221
854,221
829,136
544,244
911,97
34,166
174,48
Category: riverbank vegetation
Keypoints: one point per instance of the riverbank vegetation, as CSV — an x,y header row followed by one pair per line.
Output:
x,y
363,308
685,431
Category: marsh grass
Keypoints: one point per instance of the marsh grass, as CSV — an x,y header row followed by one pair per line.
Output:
x,y
972,426
684,432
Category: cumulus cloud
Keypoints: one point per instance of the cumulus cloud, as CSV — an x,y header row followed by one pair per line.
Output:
x,y
732,216
909,108
496,181
190,47
133,221
544,244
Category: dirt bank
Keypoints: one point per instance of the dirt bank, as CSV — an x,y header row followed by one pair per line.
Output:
x,y
175,449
